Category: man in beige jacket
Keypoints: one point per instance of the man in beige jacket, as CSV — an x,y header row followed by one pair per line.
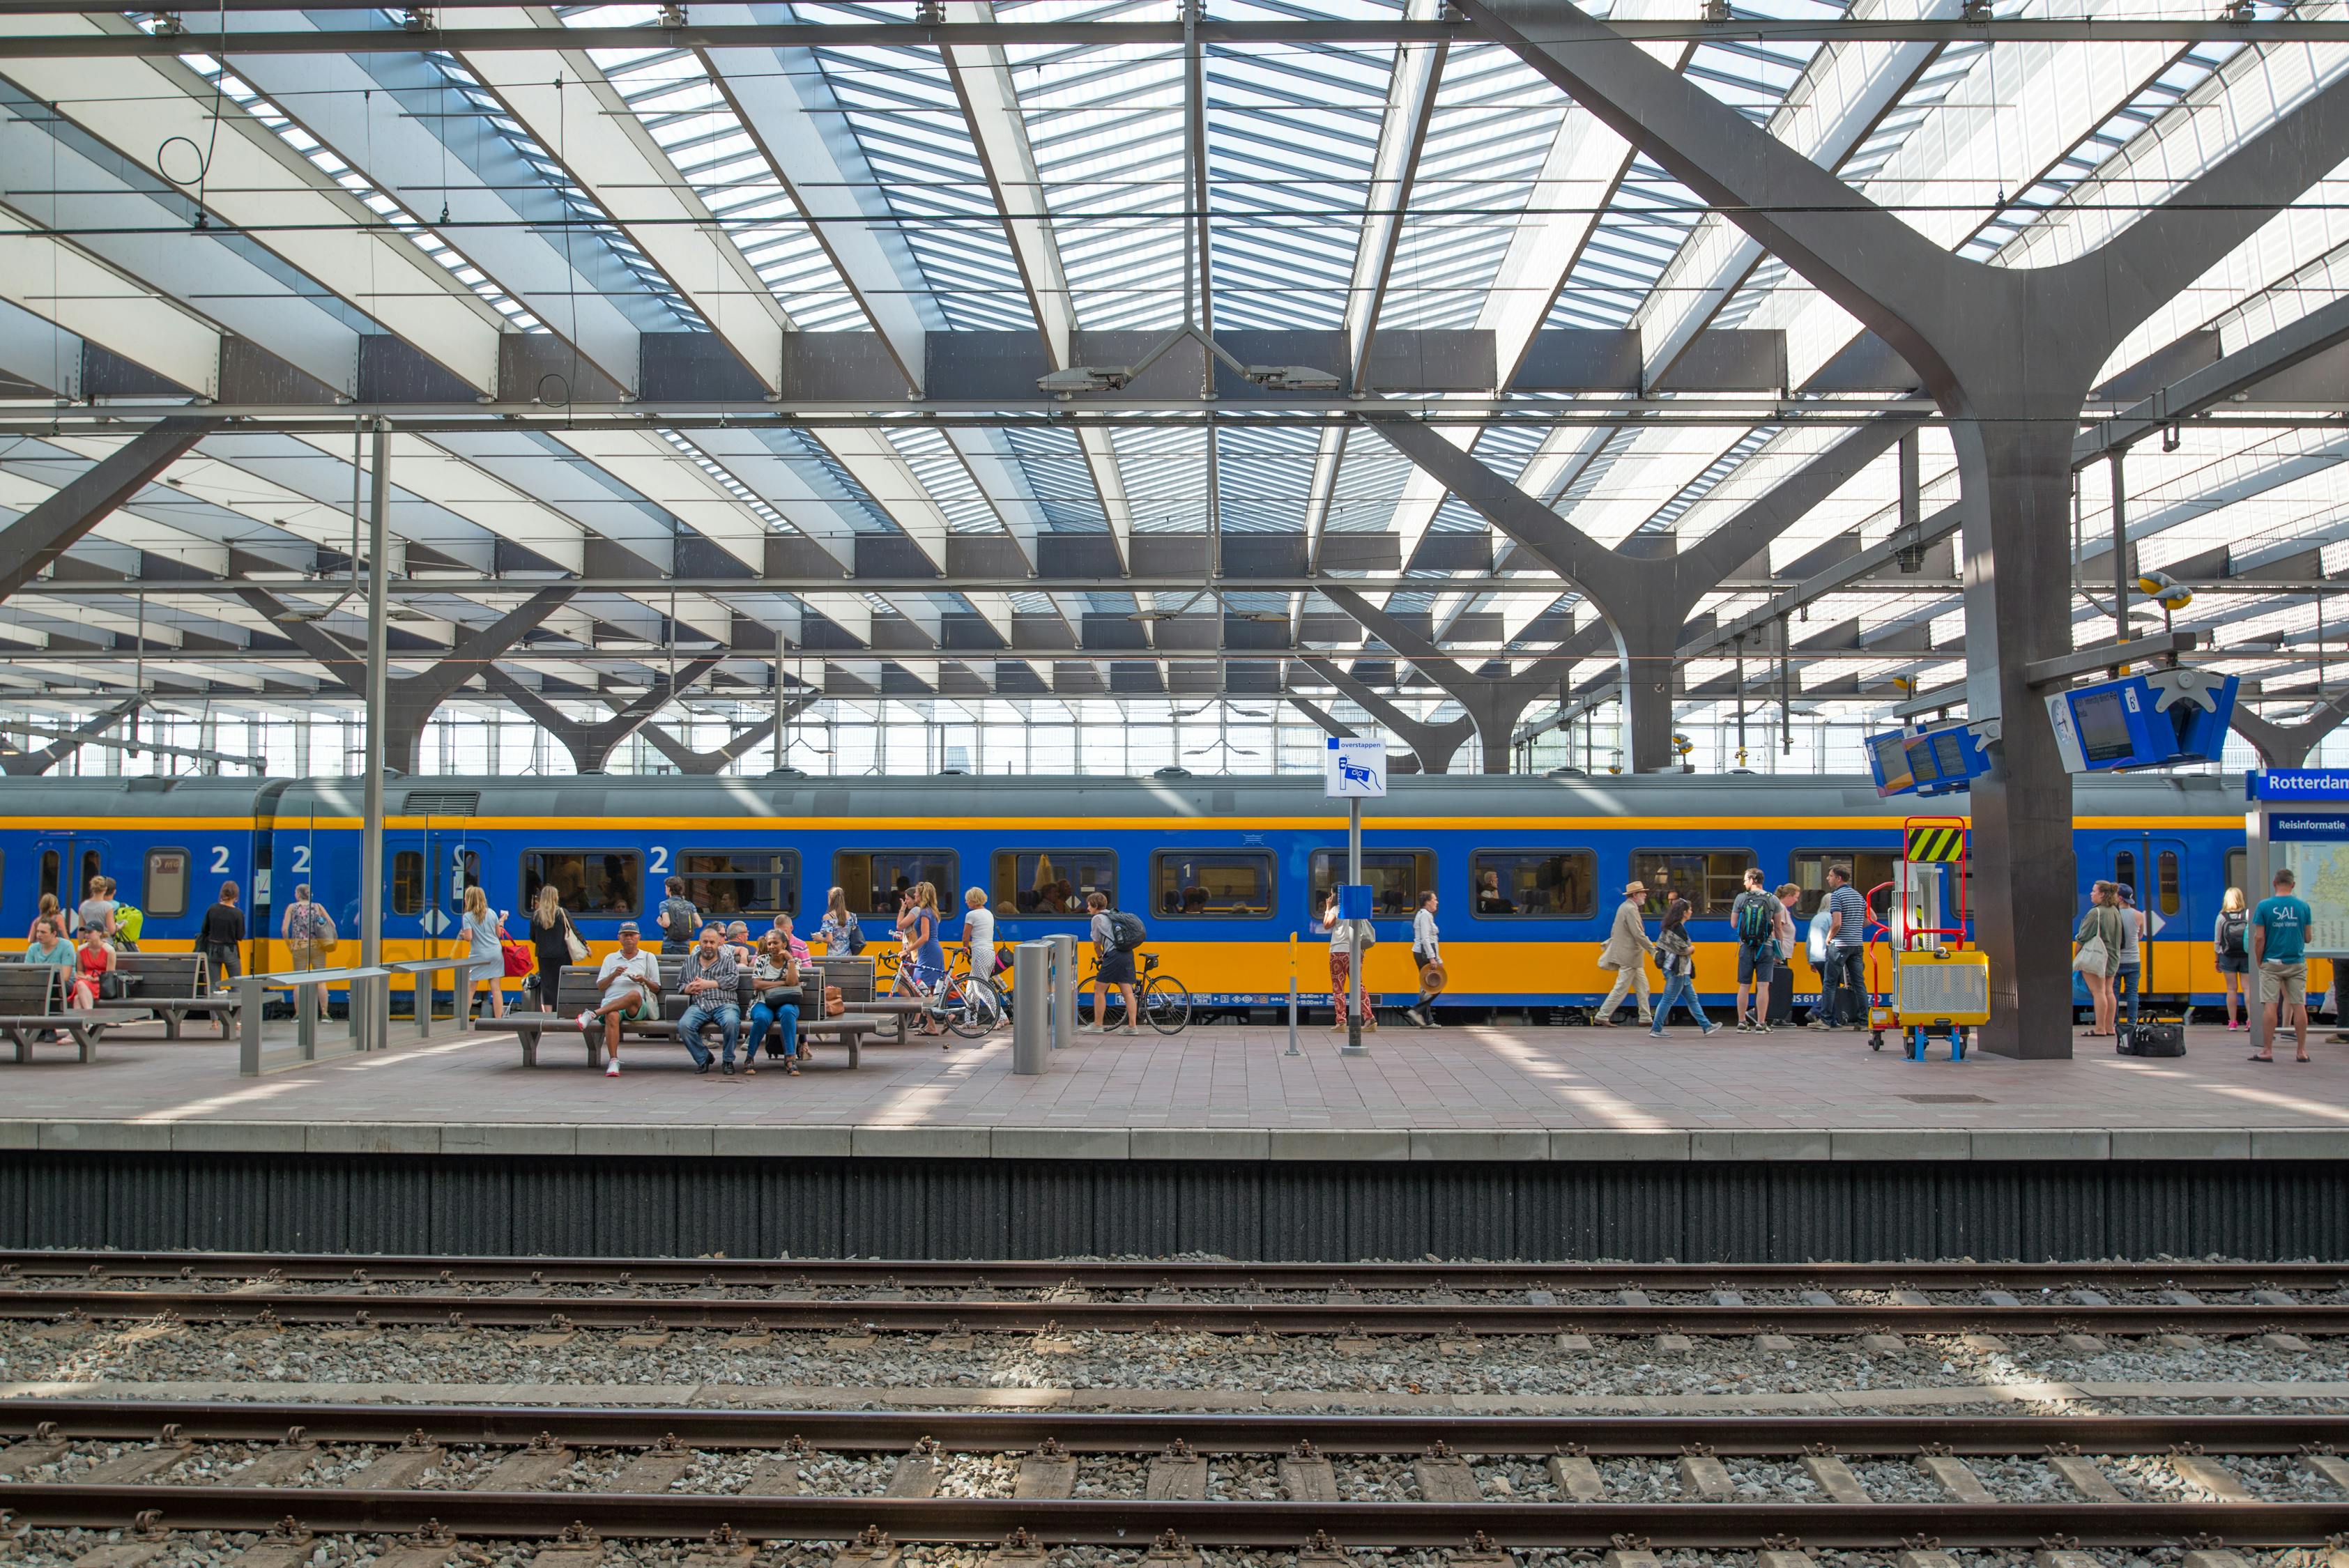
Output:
x,y
1626,953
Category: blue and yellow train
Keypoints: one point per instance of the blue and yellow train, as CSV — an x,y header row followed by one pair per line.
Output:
x,y
1224,870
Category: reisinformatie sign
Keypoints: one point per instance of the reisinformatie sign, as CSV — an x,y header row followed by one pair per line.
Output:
x,y
2315,845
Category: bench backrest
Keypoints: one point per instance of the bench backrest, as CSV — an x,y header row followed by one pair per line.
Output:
x,y
28,987
852,975
163,975
575,990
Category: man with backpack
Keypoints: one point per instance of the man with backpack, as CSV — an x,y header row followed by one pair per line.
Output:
x,y
1117,935
1754,915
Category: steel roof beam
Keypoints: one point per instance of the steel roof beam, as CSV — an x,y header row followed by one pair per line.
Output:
x,y
591,745
34,540
2324,328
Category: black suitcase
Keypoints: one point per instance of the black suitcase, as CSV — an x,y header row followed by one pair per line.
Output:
x,y
2151,1038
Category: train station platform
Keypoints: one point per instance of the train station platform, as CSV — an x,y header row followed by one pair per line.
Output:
x,y
1485,1141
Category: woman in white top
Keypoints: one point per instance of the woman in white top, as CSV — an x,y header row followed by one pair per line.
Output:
x,y
1428,953
480,935
978,935
1341,965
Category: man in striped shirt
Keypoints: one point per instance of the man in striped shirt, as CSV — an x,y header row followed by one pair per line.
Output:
x,y
1846,933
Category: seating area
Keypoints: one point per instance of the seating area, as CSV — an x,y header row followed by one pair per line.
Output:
x,y
168,985
32,1012
577,992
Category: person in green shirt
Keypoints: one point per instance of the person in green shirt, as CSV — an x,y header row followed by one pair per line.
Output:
x,y
47,946
2279,953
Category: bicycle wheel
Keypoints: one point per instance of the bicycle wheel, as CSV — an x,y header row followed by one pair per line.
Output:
x,y
1165,1004
971,1008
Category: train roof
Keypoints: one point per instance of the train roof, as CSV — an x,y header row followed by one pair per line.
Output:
x,y
1172,797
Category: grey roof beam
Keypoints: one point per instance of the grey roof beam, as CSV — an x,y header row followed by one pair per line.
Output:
x,y
410,700
1433,745
1842,576
1493,704
2010,354
2324,328
42,534
31,763
704,763
591,745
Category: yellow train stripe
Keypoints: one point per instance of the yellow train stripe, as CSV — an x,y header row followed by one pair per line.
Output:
x,y
459,827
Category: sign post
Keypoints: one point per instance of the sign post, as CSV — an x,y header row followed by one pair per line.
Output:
x,y
2299,817
1357,771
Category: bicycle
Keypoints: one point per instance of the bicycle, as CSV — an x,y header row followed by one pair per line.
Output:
x,y
964,1006
1165,1001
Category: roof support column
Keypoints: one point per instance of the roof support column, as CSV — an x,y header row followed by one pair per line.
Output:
x,y
31,763
591,745
379,685
1433,745
2289,745
702,764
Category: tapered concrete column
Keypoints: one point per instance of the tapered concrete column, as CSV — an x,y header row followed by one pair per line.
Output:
x,y
1433,745
591,745
2288,745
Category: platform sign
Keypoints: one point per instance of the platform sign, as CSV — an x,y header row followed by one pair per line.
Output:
x,y
1356,769
2296,784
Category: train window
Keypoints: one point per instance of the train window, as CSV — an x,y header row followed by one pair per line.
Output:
x,y
1050,881
2238,866
593,885
1710,879
2165,883
469,874
167,883
408,881
1545,884
49,872
732,882
873,877
1211,881
1396,877
1871,871
2125,871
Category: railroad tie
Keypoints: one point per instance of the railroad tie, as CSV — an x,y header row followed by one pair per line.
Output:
x,y
2086,1476
2273,1298
137,1464
1171,1551
1307,1477
1480,1552
1322,1552
2054,1557
775,1478
121,1554
1443,1476
1633,1298
1020,1550
1178,1475
2283,1342
656,1469
1773,1344
576,1547
43,1448
1818,1298
724,1548
1051,1471
871,1549
1704,1478
1955,1478
2210,1476
2328,1466
274,1467
1912,1298
527,1470
2000,1299
1728,1298
1983,1343
287,1546
1622,1558
2213,1560
402,1467
1673,1344
1783,1559
1541,1298
1835,1477
1574,1344
1916,1559
1576,1478
2181,1298
1883,1345
430,1547
2088,1298
644,1338
916,1474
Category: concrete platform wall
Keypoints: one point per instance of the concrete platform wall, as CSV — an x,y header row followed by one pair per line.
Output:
x,y
1722,1211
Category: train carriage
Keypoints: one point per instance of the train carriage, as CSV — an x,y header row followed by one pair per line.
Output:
x,y
1224,871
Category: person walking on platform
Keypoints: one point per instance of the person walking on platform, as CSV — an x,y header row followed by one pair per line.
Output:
x,y
551,936
1427,953
1779,1007
979,934
221,939
677,918
1626,953
2126,974
1754,916
1116,936
1844,978
629,985
2279,949
309,934
1676,956
483,933
2096,953
2231,944
711,981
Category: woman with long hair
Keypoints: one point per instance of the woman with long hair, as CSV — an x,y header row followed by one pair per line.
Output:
x,y
2102,925
924,963
843,937
48,913
482,932
93,962
549,934
2231,941
1676,956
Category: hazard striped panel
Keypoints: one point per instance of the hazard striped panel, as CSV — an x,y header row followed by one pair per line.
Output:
x,y
1936,844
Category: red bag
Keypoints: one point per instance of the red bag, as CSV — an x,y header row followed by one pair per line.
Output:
x,y
520,959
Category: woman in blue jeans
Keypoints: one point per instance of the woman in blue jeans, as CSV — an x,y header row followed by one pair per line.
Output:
x,y
774,974
1676,955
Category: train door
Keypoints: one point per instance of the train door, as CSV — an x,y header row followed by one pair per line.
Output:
x,y
427,873
2156,868
66,865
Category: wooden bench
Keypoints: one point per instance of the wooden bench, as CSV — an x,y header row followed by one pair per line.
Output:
x,y
853,976
577,992
170,985
29,996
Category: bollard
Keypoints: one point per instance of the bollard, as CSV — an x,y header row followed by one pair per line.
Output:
x,y
1064,989
1031,1007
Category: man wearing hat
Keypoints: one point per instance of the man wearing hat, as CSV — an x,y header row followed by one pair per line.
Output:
x,y
1626,953
631,983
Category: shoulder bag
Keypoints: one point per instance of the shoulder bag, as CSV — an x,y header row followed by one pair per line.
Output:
x,y
571,943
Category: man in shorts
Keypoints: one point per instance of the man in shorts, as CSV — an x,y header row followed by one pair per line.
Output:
x,y
630,979
1754,916
2279,953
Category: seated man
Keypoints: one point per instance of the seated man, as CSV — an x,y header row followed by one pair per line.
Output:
x,y
738,941
630,981
710,980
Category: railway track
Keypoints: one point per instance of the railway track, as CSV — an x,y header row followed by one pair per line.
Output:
x,y
529,1472
1262,1299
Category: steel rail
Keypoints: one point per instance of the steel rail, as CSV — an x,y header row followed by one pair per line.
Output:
x,y
347,1308
1143,1274
1135,1521
1085,1431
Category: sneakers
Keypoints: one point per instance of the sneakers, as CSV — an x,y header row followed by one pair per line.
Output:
x,y
703,1069
1655,1034
586,1022
1821,1025
1761,1028
1711,1030
1126,1029
613,1071
727,1070
1744,1026
1089,1029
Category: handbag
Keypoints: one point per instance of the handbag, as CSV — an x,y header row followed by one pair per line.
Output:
x,y
109,987
571,943
519,958
2094,957
783,997
832,1006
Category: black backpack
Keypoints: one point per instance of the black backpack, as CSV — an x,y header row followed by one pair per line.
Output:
x,y
1126,931
1755,922
2234,924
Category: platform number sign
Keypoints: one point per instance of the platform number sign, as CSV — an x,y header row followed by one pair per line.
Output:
x,y
1357,769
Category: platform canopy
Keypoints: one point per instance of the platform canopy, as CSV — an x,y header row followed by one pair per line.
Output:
x,y
822,352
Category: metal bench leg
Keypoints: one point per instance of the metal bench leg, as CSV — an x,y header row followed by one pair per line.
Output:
x,y
172,1017
24,1044
86,1038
